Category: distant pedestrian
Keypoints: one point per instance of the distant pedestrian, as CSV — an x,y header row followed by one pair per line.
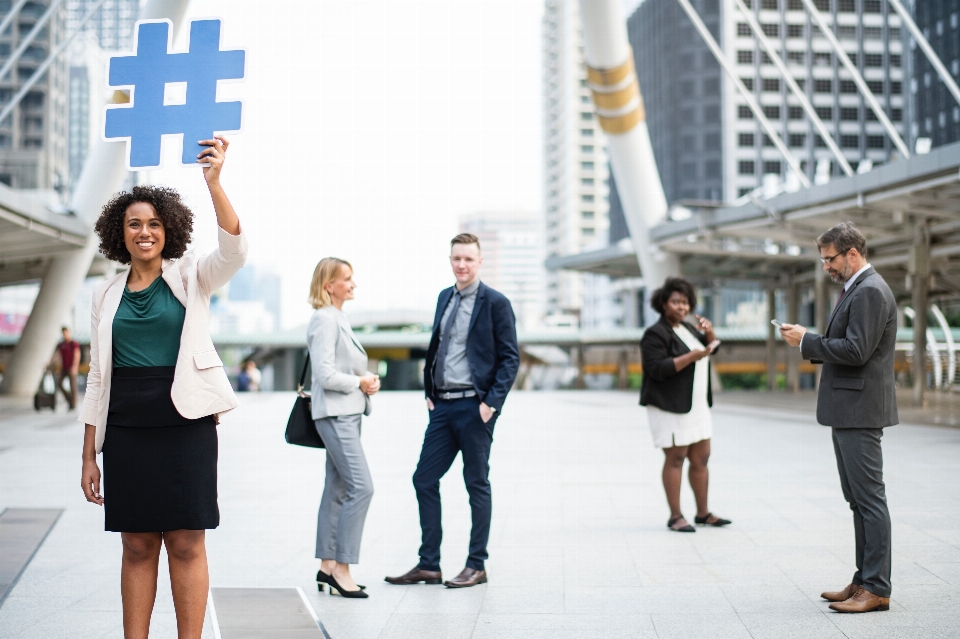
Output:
x,y
248,380
676,391
858,399
157,432
471,365
341,388
68,351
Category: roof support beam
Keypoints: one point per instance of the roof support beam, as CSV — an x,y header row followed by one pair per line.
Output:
x,y
794,87
857,78
26,42
926,48
7,19
747,95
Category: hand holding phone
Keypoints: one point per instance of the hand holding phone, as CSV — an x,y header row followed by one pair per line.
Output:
x,y
776,323
712,346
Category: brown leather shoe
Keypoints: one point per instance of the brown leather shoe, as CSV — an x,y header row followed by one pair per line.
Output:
x,y
841,595
862,601
416,576
467,577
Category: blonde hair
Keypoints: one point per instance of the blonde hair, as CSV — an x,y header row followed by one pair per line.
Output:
x,y
328,270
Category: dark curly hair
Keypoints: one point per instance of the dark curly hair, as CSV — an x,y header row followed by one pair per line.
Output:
x,y
176,217
670,286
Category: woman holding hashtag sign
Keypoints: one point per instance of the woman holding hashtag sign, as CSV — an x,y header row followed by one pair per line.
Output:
x,y
156,389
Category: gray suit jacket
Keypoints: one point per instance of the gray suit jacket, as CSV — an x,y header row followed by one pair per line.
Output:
x,y
338,361
857,387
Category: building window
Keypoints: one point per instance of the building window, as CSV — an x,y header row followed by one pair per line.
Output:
x,y
587,133
771,30
848,86
795,113
871,6
585,197
771,84
711,86
744,57
711,142
744,112
875,141
823,86
849,114
743,29
586,115
825,113
586,166
896,115
767,140
896,88
588,231
773,5
847,33
819,142
797,57
688,169
895,60
586,148
798,140
772,166
794,30
743,191
875,86
873,60
747,82
765,58
850,141
772,112
586,215
822,59
956,114
746,167
847,6
873,33
942,119
711,114
586,181
745,139
686,89
871,116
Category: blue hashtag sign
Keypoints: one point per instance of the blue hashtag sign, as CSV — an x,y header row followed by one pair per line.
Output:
x,y
146,118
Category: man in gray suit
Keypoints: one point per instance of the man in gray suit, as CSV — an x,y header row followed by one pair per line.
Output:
x,y
857,398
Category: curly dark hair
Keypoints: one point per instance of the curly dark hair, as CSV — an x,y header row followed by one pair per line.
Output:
x,y
177,221
670,286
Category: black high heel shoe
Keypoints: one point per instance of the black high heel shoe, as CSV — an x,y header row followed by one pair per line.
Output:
x,y
686,529
349,594
705,521
324,578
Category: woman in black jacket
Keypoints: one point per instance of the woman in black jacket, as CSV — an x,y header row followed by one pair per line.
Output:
x,y
676,392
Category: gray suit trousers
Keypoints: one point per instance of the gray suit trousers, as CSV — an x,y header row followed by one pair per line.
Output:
x,y
860,462
347,490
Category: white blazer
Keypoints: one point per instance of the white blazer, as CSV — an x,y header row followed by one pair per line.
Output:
x,y
338,361
200,385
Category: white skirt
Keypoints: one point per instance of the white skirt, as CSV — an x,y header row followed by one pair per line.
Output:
x,y
678,429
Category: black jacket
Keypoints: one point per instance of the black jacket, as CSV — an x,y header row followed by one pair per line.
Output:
x,y
663,386
492,349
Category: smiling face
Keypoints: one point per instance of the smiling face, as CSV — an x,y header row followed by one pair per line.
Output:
x,y
143,232
676,308
341,289
465,260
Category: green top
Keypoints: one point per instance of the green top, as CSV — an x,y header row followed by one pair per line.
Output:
x,y
147,327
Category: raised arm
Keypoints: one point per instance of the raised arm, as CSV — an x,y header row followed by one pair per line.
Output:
x,y
218,267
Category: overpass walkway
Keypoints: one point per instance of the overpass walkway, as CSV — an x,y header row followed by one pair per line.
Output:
x,y
578,545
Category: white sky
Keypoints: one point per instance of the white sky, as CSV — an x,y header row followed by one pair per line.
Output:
x,y
369,127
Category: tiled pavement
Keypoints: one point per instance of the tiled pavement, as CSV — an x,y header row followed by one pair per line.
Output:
x,y
578,545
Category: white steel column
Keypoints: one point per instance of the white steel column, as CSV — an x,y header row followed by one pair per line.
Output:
x,y
619,106
103,173
926,48
747,95
794,87
857,78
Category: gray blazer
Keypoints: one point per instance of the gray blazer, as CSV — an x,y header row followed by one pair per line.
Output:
x,y
338,361
857,388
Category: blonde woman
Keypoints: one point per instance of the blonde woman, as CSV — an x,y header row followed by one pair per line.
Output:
x,y
341,390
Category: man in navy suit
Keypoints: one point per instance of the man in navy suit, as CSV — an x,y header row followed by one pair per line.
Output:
x,y
471,364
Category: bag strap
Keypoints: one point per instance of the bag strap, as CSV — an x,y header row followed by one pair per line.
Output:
x,y
303,374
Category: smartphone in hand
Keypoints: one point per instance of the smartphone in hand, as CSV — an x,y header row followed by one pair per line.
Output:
x,y
776,323
712,346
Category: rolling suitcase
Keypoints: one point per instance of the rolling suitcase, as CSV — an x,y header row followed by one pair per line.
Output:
x,y
46,396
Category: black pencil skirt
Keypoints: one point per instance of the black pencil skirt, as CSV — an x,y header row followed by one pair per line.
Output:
x,y
159,468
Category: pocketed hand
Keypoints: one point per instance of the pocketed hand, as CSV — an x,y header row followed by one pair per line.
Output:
x,y
486,413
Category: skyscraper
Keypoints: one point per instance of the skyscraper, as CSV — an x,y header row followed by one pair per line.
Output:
x,y
33,138
576,171
937,114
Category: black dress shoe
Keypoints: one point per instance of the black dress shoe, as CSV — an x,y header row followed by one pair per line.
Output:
x,y
322,578
687,528
415,576
467,577
705,521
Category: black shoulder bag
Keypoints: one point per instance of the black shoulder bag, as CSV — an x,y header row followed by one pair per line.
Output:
x,y
301,430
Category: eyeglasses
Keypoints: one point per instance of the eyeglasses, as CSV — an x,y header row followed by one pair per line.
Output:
x,y
828,260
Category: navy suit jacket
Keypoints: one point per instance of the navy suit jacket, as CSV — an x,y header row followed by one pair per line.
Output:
x,y
492,350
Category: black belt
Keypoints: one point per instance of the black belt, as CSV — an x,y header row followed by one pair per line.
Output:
x,y
456,394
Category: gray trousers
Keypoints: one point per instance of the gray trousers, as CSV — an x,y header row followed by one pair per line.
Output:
x,y
860,462
347,490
